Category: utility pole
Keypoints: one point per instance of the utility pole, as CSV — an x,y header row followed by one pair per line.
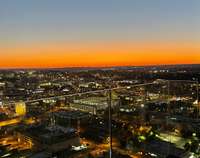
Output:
x,y
168,110
168,97
110,120
198,99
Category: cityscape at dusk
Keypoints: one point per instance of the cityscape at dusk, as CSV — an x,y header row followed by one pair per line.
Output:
x,y
100,79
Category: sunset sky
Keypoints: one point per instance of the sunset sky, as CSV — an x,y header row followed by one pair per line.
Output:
x,y
62,33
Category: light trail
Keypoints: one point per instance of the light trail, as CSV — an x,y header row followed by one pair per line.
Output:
x,y
16,121
10,122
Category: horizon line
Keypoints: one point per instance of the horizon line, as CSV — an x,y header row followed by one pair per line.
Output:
x,y
90,67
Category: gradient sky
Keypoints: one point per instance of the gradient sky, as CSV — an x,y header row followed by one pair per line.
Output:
x,y
59,33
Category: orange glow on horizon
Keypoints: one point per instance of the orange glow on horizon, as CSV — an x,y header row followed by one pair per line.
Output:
x,y
98,54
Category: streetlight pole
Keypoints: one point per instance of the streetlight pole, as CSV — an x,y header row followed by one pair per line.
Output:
x,y
198,98
168,97
110,120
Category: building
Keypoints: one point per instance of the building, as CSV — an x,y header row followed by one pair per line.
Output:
x,y
20,108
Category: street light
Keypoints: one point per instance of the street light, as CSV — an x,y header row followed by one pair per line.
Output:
x,y
110,120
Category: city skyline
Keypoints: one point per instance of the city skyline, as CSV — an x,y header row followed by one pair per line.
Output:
x,y
100,78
